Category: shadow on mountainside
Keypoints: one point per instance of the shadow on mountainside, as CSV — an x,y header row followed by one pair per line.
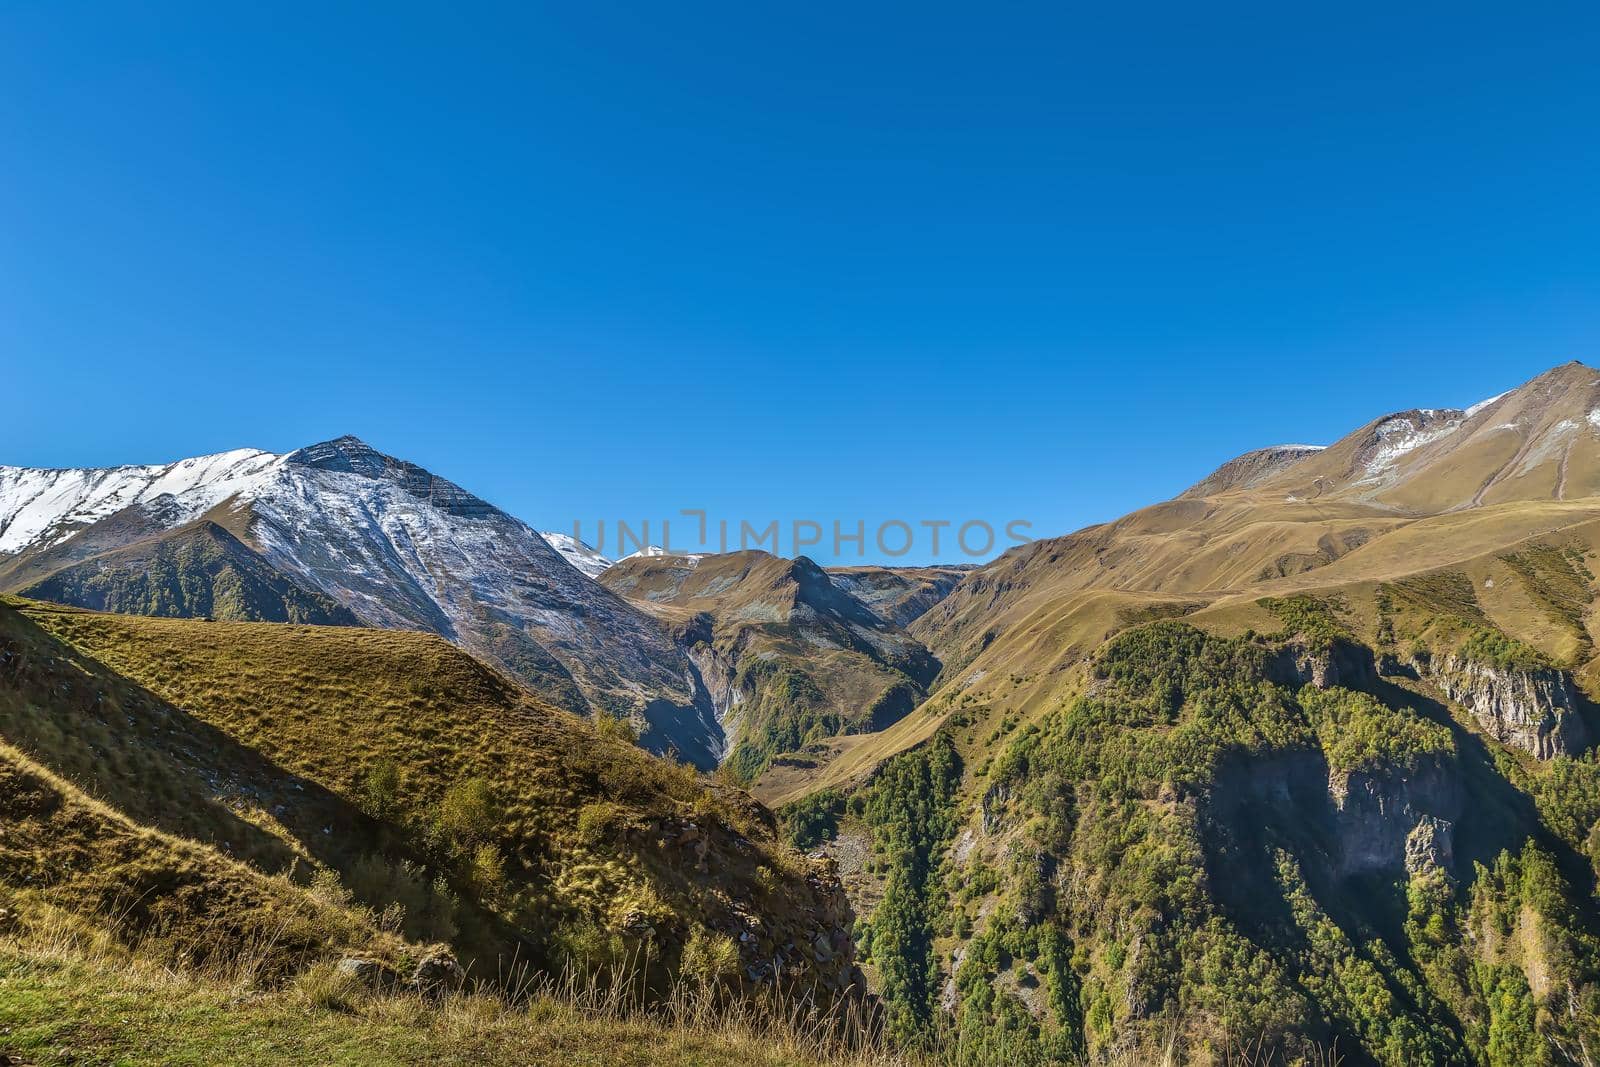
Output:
x,y
164,768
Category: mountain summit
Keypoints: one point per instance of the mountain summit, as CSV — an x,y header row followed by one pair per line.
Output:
x,y
368,537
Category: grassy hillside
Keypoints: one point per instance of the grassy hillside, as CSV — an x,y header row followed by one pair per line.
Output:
x,y
1303,758
433,789
71,1001
183,900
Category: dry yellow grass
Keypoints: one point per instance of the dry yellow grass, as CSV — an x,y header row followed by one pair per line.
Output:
x,y
71,996
247,736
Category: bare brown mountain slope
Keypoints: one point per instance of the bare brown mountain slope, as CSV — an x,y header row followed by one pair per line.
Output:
x,y
1409,494
1540,441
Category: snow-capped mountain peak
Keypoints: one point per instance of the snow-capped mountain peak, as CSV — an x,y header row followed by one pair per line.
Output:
x,y
351,455
45,506
397,546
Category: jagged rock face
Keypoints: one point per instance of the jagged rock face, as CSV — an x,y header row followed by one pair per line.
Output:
x,y
1393,820
719,679
898,595
1532,710
831,950
1429,847
1250,469
1371,816
1342,664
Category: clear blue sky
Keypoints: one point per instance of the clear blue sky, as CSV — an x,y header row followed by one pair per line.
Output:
x,y
827,260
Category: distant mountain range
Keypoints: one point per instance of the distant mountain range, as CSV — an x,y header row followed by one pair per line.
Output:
x,y
339,533
1300,760
788,655
1303,758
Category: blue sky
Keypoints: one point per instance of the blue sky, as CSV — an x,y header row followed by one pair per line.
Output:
x,y
1047,262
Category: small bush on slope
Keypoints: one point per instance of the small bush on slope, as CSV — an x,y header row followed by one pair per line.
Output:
x,y
1495,649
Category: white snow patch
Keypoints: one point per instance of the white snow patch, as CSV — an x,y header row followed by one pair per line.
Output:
x,y
575,552
1398,436
1480,405
653,551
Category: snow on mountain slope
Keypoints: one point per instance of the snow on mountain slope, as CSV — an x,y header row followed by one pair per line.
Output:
x,y
657,552
577,553
44,507
1535,442
402,549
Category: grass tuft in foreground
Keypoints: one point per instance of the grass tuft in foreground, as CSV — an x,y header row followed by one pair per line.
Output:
x,y
69,994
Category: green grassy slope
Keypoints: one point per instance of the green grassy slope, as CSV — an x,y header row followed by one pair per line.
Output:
x,y
417,775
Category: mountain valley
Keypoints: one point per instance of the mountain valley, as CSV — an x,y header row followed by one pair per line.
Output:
x,y
1298,766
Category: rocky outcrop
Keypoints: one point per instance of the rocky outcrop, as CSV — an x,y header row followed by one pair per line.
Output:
x,y
1373,817
718,674
1340,663
1429,847
1248,470
437,975
817,943
994,802
1394,820
1532,710
369,973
